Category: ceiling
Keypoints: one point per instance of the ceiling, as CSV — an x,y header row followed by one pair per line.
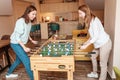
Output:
x,y
95,4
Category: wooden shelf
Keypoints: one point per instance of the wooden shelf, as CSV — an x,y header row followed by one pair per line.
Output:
x,y
66,27
59,7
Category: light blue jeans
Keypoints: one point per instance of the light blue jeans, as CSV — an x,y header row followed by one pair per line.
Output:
x,y
21,57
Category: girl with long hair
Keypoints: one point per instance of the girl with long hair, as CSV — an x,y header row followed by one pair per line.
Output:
x,y
19,38
99,38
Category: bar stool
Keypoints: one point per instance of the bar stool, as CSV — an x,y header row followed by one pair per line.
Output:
x,y
35,30
38,30
11,52
38,26
55,27
32,31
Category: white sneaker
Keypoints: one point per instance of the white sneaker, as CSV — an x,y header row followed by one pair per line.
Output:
x,y
92,75
11,76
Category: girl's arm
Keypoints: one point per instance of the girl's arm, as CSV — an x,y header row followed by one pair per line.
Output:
x,y
33,41
86,44
26,49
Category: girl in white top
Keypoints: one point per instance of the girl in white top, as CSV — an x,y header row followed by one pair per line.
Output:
x,y
18,40
99,38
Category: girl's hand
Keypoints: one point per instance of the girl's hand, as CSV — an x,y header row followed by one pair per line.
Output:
x,y
83,46
34,42
27,49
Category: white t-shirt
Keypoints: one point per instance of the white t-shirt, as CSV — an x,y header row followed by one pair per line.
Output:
x,y
21,31
98,36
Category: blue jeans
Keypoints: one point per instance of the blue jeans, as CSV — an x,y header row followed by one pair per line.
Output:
x,y
21,57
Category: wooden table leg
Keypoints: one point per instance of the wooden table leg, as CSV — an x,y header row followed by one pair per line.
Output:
x,y
70,75
36,75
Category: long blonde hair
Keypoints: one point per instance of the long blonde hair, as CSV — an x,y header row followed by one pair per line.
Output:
x,y
88,14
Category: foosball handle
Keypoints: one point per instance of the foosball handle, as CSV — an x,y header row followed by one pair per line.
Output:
x,y
89,54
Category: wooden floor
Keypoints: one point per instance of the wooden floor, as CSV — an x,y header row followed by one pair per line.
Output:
x,y
81,70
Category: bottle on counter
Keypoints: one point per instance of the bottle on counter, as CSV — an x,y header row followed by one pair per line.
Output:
x,y
60,18
56,18
42,19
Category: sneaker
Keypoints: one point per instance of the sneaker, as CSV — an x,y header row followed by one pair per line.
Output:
x,y
92,75
11,76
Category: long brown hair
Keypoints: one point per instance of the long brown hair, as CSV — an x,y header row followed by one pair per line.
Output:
x,y
88,14
29,9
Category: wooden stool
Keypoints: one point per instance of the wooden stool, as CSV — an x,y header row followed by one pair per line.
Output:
x,y
7,37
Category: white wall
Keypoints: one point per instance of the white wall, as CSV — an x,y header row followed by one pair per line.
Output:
x,y
116,57
5,7
112,26
6,23
6,20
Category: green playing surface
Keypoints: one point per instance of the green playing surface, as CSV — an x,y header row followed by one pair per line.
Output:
x,y
56,49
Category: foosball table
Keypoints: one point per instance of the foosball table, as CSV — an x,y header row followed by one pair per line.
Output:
x,y
55,55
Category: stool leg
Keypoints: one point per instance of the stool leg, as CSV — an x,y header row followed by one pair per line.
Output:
x,y
4,60
11,56
57,32
12,59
